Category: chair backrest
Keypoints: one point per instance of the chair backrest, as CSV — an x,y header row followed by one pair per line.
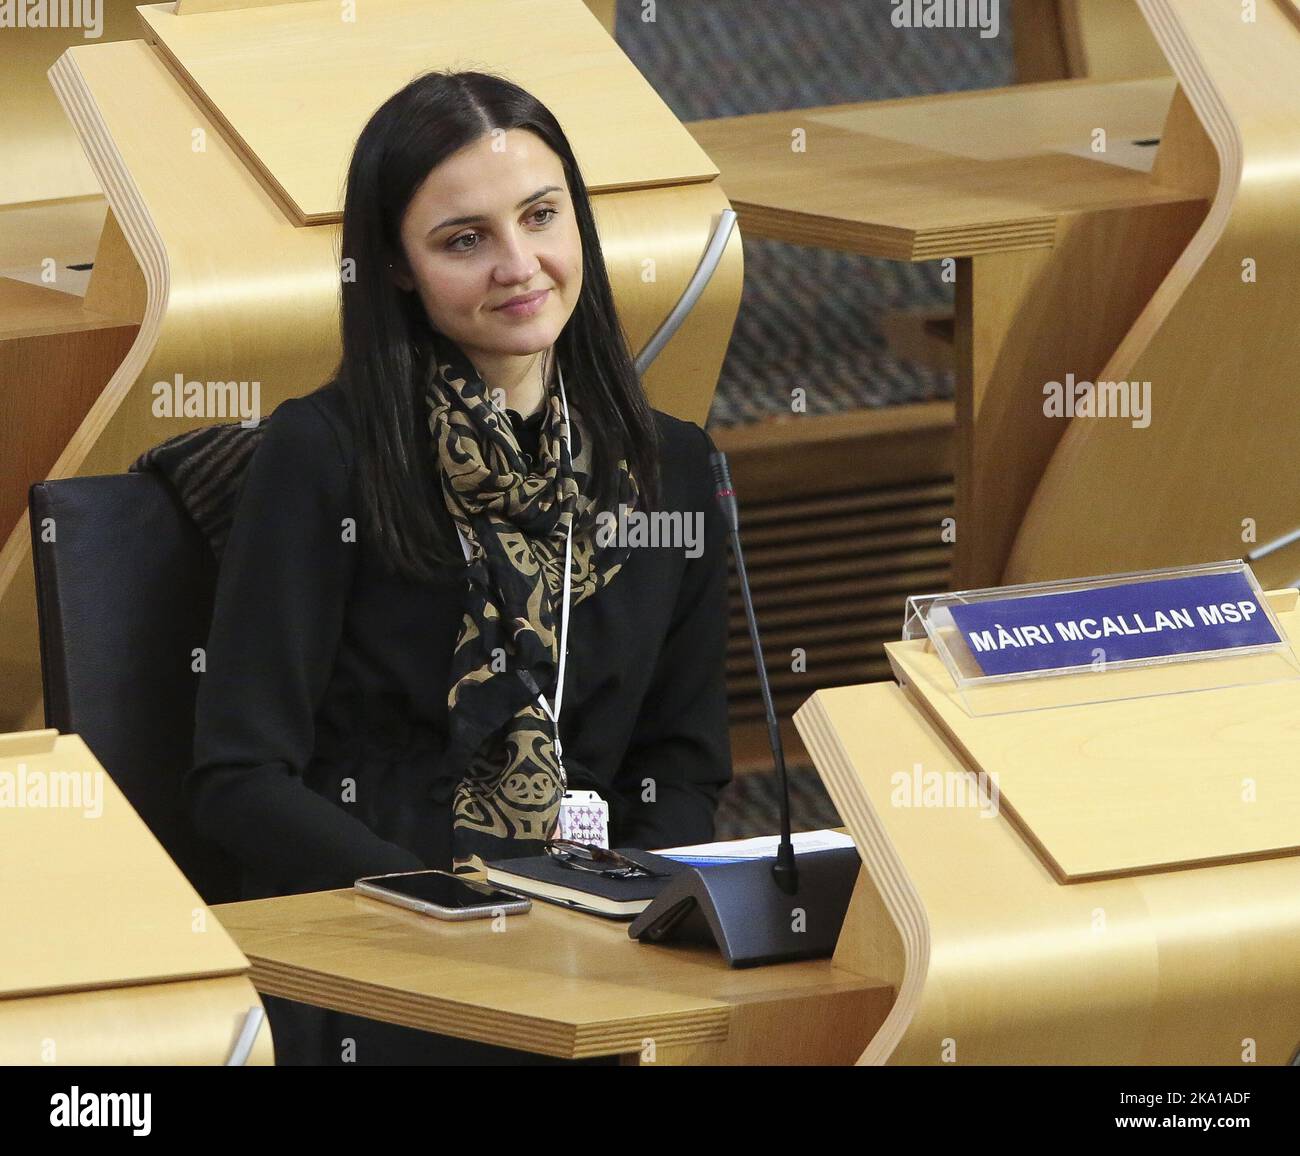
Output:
x,y
124,590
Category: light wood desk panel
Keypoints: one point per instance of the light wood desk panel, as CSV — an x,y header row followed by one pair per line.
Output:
x,y
552,982
109,955
996,962
1183,765
1103,39
950,175
1212,472
186,1021
297,57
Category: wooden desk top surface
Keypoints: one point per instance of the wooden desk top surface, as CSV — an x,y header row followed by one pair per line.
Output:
x,y
943,176
91,899
273,76
553,982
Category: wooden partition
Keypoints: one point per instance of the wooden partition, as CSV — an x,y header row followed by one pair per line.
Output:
x,y
1212,472
59,343
1103,39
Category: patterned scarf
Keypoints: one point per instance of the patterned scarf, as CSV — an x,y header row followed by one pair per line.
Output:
x,y
514,522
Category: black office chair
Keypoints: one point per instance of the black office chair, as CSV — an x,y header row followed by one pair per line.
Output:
x,y
124,592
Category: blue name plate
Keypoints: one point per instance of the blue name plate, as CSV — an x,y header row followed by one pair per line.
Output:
x,y
1151,619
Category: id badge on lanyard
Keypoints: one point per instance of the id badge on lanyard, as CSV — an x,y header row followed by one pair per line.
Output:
x,y
584,815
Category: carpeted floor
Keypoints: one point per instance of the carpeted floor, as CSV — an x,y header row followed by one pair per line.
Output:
x,y
808,317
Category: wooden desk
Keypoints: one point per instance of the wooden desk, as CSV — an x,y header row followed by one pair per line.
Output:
x,y
1056,249
109,955
552,982
995,959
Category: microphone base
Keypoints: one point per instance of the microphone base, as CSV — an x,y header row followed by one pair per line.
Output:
x,y
740,908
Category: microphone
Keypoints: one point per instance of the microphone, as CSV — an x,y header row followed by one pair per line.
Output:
x,y
735,905
784,870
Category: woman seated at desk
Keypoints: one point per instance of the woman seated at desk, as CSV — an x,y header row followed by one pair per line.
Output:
x,y
385,688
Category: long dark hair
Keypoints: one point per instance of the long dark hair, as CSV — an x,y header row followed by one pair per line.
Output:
x,y
408,136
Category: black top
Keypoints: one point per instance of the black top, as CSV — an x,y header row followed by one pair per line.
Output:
x,y
322,713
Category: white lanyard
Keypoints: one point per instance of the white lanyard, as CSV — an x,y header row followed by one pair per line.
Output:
x,y
553,713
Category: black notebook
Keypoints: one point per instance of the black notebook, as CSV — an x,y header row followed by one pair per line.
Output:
x,y
545,877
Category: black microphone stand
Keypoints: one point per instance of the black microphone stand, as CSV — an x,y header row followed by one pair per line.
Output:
x,y
735,905
784,870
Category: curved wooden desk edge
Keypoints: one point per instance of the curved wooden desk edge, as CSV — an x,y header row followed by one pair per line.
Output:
x,y
884,878
182,1022
1215,124
1214,346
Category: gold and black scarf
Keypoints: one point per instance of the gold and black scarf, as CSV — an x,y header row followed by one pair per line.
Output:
x,y
514,520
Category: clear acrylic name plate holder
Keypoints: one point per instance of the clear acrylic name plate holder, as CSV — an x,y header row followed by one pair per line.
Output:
x,y
930,618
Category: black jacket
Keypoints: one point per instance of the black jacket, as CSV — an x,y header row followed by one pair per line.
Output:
x,y
322,712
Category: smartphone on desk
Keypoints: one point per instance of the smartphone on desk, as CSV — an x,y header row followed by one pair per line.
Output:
x,y
442,895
